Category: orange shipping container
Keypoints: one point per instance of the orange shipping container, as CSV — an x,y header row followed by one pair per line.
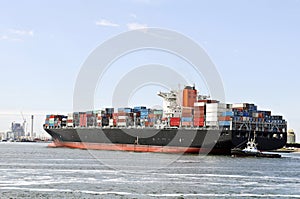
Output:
x,y
225,118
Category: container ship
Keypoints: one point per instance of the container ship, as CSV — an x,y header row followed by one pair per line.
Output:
x,y
187,123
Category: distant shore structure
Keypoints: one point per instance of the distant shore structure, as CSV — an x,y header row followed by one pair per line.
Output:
x,y
291,137
31,131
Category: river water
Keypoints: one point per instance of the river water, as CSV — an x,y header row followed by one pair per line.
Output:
x,y
32,170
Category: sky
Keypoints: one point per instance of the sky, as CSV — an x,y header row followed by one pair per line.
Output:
x,y
254,45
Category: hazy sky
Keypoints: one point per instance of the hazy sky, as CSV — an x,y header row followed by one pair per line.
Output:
x,y
255,46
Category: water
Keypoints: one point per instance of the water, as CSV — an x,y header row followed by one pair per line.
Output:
x,y
31,170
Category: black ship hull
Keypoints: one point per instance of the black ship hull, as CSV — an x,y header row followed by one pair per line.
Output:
x,y
170,140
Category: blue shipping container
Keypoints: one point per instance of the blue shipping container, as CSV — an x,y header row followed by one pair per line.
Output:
x,y
228,113
224,123
186,119
139,107
245,114
240,114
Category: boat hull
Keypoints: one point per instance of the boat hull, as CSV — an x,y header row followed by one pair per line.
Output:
x,y
157,140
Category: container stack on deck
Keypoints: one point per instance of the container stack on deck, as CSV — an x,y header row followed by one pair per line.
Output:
x,y
124,117
191,113
187,116
213,112
203,114
55,121
70,120
199,114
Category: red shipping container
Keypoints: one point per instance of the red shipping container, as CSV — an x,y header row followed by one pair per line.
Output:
x,y
175,121
83,120
201,119
197,115
198,124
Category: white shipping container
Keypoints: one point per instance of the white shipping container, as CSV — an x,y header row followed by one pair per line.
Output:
x,y
215,111
240,105
122,117
246,119
177,114
199,104
111,122
211,109
211,123
217,105
212,105
70,124
222,105
212,118
213,114
121,124
254,114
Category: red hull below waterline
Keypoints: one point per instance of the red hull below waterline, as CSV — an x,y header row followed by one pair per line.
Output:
x,y
130,147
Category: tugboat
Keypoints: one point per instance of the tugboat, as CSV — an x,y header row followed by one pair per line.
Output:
x,y
251,151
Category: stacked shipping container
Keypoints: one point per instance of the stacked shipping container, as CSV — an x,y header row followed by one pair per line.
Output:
x,y
213,112
199,114
187,116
